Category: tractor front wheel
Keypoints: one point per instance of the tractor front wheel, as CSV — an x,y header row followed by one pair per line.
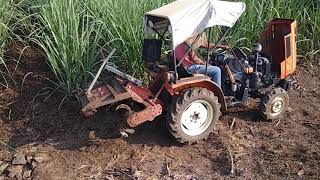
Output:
x,y
274,104
193,115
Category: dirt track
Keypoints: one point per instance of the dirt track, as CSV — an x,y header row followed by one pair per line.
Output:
x,y
80,149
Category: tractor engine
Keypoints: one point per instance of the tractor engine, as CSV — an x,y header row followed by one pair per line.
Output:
x,y
235,79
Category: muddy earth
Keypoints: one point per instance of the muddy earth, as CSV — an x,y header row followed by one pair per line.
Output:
x,y
68,146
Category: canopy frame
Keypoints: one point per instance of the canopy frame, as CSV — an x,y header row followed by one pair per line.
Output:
x,y
163,22
187,18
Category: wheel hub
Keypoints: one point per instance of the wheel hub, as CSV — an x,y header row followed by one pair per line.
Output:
x,y
196,118
277,106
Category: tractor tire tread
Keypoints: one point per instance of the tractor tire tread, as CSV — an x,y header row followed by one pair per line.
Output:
x,y
267,98
177,107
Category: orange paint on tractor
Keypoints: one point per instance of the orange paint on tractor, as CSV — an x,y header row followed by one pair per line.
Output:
x,y
280,41
200,81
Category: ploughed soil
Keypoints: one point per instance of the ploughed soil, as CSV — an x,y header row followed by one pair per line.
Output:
x,y
79,148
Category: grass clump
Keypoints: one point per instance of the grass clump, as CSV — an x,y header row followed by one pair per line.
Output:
x,y
75,34
69,37
123,26
6,10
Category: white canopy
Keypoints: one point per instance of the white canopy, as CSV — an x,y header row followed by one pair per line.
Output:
x,y
187,18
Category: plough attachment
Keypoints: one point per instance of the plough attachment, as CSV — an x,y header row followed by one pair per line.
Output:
x,y
115,91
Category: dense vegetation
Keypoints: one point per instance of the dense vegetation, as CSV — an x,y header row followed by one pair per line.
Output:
x,y
5,18
75,35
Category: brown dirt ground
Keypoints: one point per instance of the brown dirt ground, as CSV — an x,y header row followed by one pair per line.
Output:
x,y
80,148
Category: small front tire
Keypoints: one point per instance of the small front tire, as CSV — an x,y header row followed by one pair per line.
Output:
x,y
274,104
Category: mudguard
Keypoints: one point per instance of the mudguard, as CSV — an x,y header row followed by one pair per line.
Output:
x,y
197,81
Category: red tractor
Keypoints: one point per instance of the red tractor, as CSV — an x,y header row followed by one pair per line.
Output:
x,y
193,103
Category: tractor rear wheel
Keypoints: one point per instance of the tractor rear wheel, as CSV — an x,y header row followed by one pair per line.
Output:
x,y
193,115
274,104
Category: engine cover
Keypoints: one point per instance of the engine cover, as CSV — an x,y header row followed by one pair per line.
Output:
x,y
260,77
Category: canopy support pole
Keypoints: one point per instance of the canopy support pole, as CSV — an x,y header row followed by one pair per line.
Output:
x,y
214,47
158,33
208,53
190,48
175,67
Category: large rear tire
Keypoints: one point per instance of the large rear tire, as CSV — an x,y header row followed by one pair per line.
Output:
x,y
274,104
193,115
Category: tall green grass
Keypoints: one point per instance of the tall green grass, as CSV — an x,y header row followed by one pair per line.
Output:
x,y
123,24
6,10
75,34
260,12
69,37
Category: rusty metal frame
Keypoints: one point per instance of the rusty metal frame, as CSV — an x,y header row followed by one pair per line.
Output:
x,y
147,114
102,96
153,108
118,90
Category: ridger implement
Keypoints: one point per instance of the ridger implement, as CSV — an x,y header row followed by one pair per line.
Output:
x,y
192,102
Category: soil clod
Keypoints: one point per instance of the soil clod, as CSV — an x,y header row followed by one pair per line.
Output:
x,y
27,174
13,171
42,157
19,159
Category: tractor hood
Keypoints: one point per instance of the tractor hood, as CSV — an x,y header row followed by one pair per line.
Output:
x,y
186,18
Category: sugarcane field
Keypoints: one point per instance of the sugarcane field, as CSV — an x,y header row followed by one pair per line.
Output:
x,y
161,89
